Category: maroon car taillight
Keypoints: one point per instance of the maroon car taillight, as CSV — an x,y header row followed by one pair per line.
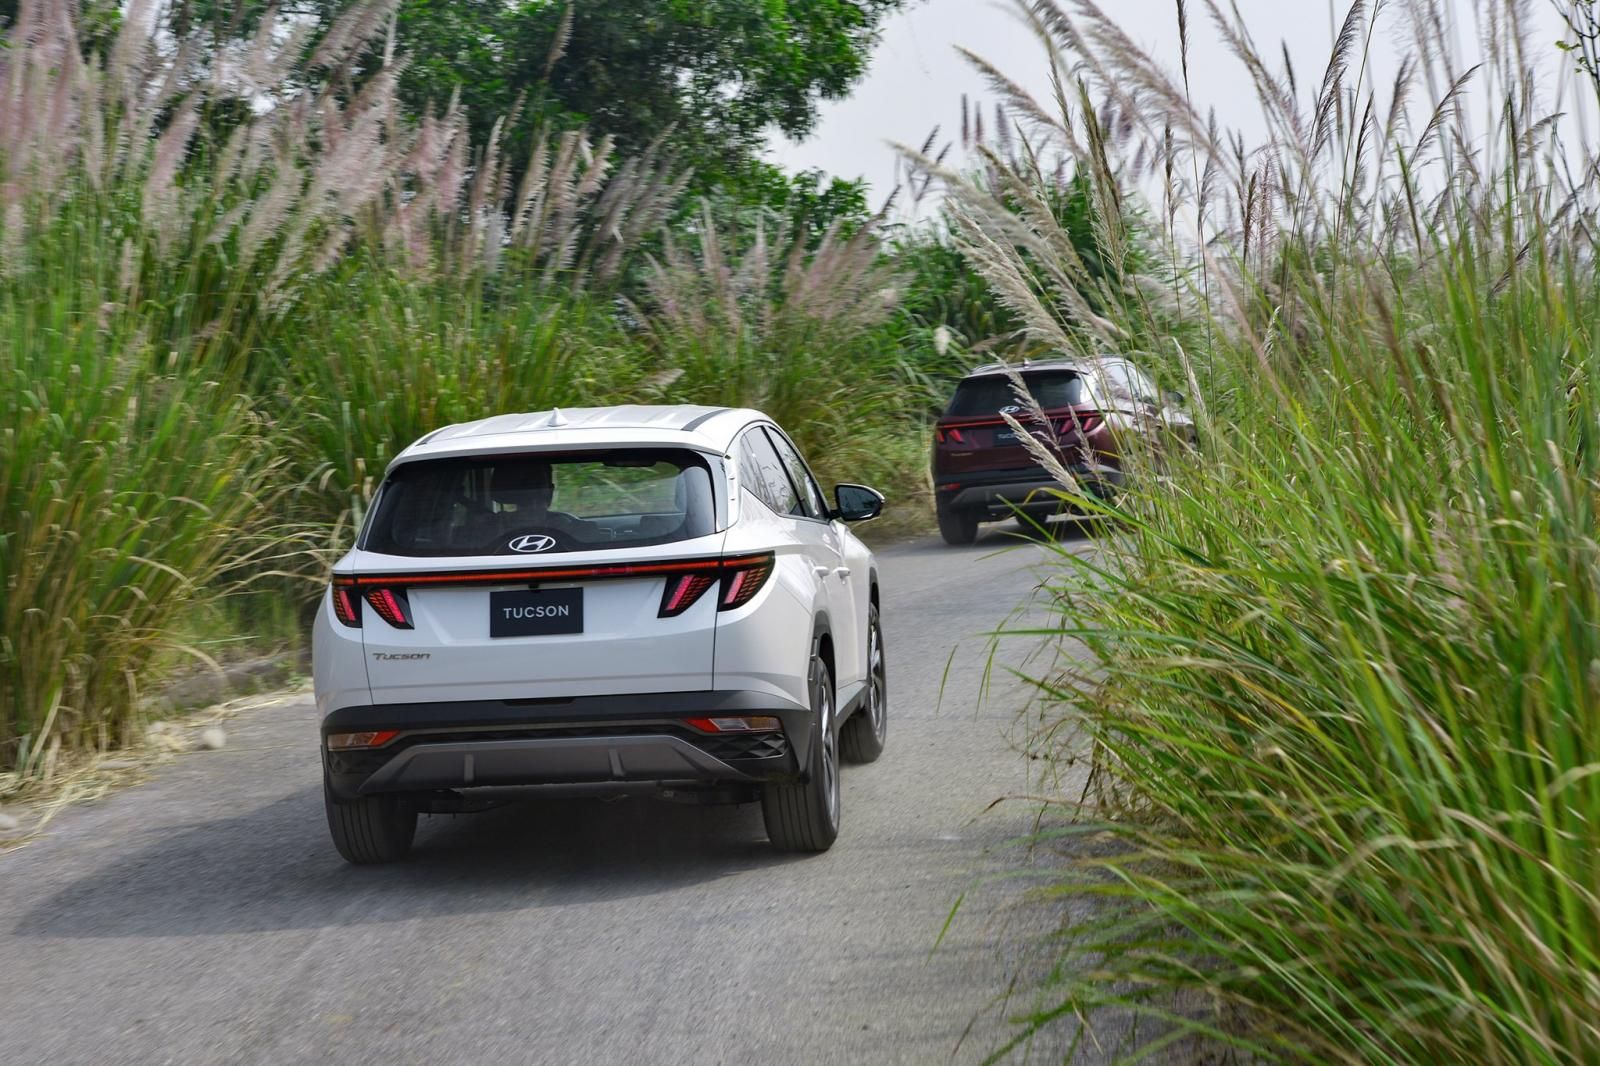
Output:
x,y
392,606
949,436
1086,421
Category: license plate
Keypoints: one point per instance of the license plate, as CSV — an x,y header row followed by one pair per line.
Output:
x,y
535,612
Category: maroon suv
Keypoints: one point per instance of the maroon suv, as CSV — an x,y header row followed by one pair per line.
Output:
x,y
983,471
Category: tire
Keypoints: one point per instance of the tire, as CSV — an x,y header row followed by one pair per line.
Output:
x,y
372,829
861,740
805,817
958,526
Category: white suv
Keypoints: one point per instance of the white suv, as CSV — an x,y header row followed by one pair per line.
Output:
x,y
592,598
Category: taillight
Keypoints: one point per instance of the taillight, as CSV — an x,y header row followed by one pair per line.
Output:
x,y
1085,421
346,608
682,593
392,606
951,435
742,579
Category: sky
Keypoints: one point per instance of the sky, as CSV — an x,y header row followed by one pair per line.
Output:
x,y
917,78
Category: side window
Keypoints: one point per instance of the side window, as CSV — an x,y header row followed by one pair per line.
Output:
x,y
1126,380
812,504
762,472
1143,387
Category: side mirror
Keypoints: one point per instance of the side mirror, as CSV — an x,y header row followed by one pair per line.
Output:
x,y
857,503
1175,399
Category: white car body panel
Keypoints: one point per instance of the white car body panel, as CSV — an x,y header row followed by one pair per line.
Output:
x,y
623,644
338,662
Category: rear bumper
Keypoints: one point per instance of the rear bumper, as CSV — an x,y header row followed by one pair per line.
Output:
x,y
581,741
1032,488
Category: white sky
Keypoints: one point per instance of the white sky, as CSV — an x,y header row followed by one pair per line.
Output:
x,y
917,78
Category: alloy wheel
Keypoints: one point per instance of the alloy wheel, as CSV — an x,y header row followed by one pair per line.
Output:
x,y
877,683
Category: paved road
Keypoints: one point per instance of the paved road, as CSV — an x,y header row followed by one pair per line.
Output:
x,y
204,918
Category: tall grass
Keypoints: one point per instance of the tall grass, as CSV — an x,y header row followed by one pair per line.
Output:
x,y
377,358
1342,688
132,484
761,320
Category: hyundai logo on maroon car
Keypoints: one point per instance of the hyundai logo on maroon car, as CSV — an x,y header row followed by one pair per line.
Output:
x,y
536,542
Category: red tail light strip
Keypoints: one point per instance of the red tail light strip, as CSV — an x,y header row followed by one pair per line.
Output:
x,y
551,573
978,424
742,576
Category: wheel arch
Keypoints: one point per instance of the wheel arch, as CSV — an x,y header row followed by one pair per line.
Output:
x,y
822,647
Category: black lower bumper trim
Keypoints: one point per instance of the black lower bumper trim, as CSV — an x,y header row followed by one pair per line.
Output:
x,y
1028,489
588,739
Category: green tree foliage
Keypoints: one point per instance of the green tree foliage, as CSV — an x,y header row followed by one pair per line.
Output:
x,y
720,73
713,76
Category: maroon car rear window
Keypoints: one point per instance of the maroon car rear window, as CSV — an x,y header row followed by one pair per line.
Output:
x,y
976,397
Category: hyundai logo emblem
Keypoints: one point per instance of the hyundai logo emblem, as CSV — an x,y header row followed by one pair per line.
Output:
x,y
535,542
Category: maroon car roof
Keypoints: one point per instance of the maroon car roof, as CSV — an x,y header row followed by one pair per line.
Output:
x,y
998,369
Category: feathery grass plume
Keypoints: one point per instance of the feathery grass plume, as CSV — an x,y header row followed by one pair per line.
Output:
x,y
1340,698
403,355
764,319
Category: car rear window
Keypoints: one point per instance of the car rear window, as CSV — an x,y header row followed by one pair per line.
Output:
x,y
990,395
535,503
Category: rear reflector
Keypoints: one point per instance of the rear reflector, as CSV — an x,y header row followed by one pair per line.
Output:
x,y
392,606
763,723
349,741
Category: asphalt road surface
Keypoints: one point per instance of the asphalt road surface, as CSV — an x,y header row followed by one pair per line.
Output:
x,y
203,917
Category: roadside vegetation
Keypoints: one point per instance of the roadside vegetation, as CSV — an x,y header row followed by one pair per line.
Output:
x,y
1342,702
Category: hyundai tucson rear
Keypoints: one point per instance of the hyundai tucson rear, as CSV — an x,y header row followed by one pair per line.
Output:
x,y
596,599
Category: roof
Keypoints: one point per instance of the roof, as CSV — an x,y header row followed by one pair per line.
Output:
x,y
998,369
686,426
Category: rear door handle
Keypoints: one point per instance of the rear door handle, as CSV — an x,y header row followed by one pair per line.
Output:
x,y
843,572
822,571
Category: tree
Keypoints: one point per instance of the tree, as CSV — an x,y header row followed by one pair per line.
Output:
x,y
714,75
